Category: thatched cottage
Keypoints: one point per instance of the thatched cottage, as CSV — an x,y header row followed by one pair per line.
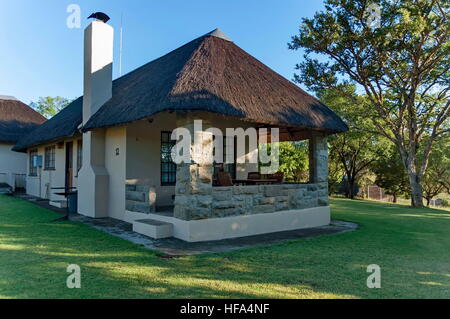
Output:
x,y
16,120
114,143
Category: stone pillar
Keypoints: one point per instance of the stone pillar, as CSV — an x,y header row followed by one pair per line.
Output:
x,y
193,188
318,159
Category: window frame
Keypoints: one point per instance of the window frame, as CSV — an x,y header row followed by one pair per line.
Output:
x,y
79,155
172,171
32,171
50,158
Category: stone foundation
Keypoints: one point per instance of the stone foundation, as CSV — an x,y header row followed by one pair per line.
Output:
x,y
249,200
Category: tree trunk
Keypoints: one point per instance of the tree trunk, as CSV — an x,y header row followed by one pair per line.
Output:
x,y
394,199
428,201
351,186
415,185
416,190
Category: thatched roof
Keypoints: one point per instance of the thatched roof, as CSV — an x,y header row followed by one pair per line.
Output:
x,y
62,125
213,74
16,119
210,74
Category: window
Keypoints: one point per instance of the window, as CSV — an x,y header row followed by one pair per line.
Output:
x,y
79,154
168,167
33,169
49,161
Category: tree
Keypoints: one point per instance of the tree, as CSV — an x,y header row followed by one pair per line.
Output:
x,y
356,149
294,161
446,185
391,175
368,179
438,172
335,174
49,106
402,65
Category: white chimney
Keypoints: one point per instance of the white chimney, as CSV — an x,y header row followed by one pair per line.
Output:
x,y
93,178
98,65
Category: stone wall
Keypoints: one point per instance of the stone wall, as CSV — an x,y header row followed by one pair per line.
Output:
x,y
196,198
140,198
258,199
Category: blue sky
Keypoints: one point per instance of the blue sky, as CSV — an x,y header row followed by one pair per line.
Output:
x,y
41,56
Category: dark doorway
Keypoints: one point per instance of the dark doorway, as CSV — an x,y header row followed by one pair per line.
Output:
x,y
69,165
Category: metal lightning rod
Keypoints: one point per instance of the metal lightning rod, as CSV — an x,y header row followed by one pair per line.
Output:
x,y
120,49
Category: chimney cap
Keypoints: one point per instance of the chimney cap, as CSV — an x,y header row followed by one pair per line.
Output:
x,y
99,16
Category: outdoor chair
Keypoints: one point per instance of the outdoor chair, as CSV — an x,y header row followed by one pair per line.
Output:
x,y
253,175
279,176
224,179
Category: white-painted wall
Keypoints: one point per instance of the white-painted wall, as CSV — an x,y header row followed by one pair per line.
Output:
x,y
42,184
11,163
143,161
115,164
240,226
139,146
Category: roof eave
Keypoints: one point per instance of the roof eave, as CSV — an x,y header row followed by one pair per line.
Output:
x,y
52,141
329,131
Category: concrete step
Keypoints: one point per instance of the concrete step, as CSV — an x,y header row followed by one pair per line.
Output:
x,y
140,207
135,196
153,228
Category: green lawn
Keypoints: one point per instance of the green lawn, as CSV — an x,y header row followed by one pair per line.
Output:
x,y
411,246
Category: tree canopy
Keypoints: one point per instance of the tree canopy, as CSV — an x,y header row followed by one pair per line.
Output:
x,y
294,161
437,175
390,174
355,150
49,106
401,64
